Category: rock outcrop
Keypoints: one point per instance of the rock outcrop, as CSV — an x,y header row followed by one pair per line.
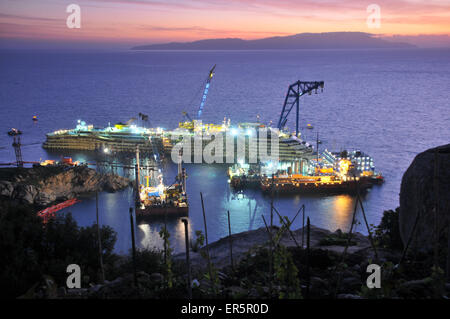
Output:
x,y
42,186
425,187
254,239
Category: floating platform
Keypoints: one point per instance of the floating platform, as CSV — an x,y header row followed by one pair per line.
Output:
x,y
161,212
311,184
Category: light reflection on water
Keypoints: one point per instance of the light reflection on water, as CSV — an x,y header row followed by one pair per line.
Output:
x,y
342,206
246,209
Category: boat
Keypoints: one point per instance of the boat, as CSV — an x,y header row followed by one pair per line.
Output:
x,y
313,184
244,176
162,201
325,174
14,132
376,179
35,119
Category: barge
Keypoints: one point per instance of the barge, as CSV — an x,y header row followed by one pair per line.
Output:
x,y
297,184
163,201
344,172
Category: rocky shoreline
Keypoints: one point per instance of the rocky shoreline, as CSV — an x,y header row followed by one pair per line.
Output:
x,y
44,185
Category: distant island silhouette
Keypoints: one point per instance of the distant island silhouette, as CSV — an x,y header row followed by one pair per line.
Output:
x,y
328,40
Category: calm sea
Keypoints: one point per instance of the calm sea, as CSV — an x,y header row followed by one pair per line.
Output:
x,y
391,104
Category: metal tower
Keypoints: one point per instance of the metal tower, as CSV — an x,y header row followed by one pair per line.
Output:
x,y
16,144
293,95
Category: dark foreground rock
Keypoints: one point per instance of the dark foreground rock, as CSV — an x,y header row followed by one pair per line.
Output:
x,y
42,186
421,193
255,239
326,275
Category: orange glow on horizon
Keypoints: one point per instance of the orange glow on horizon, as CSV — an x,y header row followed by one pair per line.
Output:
x,y
147,22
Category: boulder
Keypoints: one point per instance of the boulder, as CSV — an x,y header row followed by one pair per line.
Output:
x,y
45,198
25,193
156,277
421,193
6,188
318,287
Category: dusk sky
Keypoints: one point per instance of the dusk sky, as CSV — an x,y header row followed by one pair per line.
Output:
x,y
137,22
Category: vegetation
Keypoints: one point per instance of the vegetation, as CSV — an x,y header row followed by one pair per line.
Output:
x,y
337,238
165,235
199,241
387,234
31,251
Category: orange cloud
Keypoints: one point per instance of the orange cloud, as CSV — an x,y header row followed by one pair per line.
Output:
x,y
151,21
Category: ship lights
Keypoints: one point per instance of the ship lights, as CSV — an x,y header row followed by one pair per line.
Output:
x,y
81,126
344,165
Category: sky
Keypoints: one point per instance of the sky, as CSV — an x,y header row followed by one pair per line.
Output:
x,y
136,22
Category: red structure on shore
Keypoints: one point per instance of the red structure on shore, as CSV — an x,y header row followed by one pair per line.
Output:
x,y
49,212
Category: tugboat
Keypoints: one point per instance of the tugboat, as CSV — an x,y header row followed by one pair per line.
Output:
x,y
376,178
14,132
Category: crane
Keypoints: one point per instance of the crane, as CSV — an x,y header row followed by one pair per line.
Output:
x,y
205,92
187,116
292,99
204,96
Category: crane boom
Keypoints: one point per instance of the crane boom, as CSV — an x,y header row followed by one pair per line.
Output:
x,y
205,92
187,116
293,95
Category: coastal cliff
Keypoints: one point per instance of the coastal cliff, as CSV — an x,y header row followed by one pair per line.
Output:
x,y
44,185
